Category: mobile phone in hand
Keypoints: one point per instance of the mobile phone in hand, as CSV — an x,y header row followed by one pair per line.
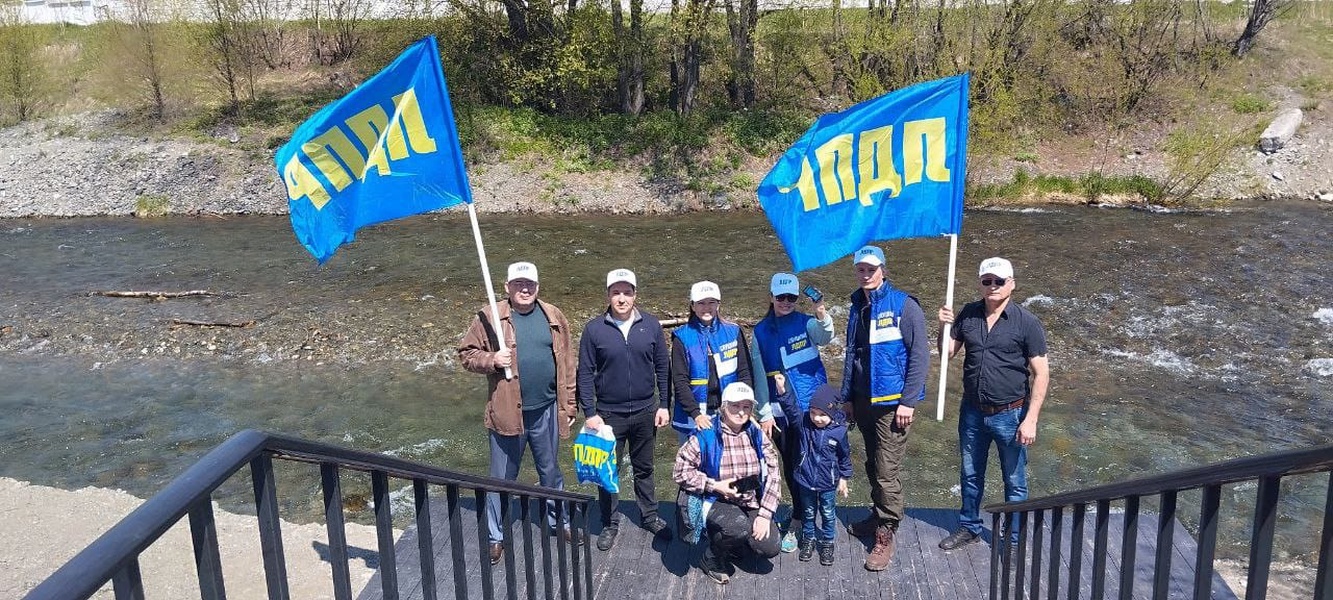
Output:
x,y
749,483
813,293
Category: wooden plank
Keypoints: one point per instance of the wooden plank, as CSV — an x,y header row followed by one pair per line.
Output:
x,y
639,568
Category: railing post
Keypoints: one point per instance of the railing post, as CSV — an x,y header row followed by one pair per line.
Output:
x,y
270,528
995,565
331,482
1020,558
1057,529
1203,562
525,517
1038,526
1323,588
562,549
1166,530
1261,542
1099,549
1076,550
548,578
507,526
587,550
1129,542
207,561
456,539
379,489
425,537
484,541
127,582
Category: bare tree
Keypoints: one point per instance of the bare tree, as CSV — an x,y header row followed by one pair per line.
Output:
x,y
140,35
689,25
630,46
1262,12
742,19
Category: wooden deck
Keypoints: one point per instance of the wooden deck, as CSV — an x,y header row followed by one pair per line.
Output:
x,y
640,567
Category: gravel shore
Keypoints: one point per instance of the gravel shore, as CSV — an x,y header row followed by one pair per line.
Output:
x,y
86,165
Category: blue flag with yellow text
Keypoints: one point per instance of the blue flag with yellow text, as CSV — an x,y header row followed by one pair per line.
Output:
x,y
388,149
890,167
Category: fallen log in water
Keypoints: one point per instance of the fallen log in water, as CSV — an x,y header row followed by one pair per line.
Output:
x,y
120,294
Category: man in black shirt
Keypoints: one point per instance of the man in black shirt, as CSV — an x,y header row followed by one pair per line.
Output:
x,y
1005,377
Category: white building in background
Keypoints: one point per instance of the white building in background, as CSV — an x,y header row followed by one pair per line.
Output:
x,y
77,12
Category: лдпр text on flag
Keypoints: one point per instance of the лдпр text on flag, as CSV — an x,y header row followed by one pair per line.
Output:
x,y
386,150
887,168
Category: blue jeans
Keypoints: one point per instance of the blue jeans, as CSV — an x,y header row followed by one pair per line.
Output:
x,y
976,431
823,501
540,431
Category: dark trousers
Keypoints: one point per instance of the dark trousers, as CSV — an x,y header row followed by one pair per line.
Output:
x,y
729,528
788,443
886,445
636,435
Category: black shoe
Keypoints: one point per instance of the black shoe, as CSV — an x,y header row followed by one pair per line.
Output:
x,y
656,526
958,539
497,552
715,568
607,538
826,553
805,549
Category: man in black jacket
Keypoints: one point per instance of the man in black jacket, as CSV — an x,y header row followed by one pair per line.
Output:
x,y
623,359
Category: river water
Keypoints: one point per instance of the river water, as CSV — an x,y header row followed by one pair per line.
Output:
x,y
1175,339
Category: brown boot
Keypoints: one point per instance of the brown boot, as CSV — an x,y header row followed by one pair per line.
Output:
x,y
882,553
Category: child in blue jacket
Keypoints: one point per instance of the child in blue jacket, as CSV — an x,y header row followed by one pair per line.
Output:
x,y
823,465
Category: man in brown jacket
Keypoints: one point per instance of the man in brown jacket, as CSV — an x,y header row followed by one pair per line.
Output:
x,y
535,406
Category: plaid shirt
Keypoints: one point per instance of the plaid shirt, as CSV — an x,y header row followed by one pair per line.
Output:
x,y
737,461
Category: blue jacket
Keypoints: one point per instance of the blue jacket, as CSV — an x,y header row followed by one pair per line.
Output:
x,y
824,455
897,371
619,374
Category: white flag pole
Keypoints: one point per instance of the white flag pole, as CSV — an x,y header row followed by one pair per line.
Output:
x,y
490,289
945,342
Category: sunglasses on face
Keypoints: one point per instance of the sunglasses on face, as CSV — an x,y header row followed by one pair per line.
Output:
x,y
997,282
785,297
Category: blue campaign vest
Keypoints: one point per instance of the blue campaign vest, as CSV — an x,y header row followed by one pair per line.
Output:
x,y
888,354
785,346
719,343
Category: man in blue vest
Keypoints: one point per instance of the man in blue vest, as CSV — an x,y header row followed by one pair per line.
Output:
x,y
623,361
1005,377
884,377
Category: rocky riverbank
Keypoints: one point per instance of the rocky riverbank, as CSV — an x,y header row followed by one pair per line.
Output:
x,y
87,165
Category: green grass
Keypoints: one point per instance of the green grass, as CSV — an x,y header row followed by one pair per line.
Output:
x,y
1248,104
150,206
1091,186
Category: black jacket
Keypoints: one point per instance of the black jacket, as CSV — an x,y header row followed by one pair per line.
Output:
x,y
619,375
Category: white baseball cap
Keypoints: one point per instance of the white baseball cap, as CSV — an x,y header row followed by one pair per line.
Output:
x,y
522,270
703,290
784,283
620,275
737,392
870,255
996,266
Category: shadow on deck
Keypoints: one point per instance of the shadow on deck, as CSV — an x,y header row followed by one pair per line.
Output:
x,y
641,567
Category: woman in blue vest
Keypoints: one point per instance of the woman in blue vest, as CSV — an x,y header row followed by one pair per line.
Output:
x,y
707,353
789,341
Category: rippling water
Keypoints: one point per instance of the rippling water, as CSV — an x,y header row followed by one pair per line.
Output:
x,y
1175,339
